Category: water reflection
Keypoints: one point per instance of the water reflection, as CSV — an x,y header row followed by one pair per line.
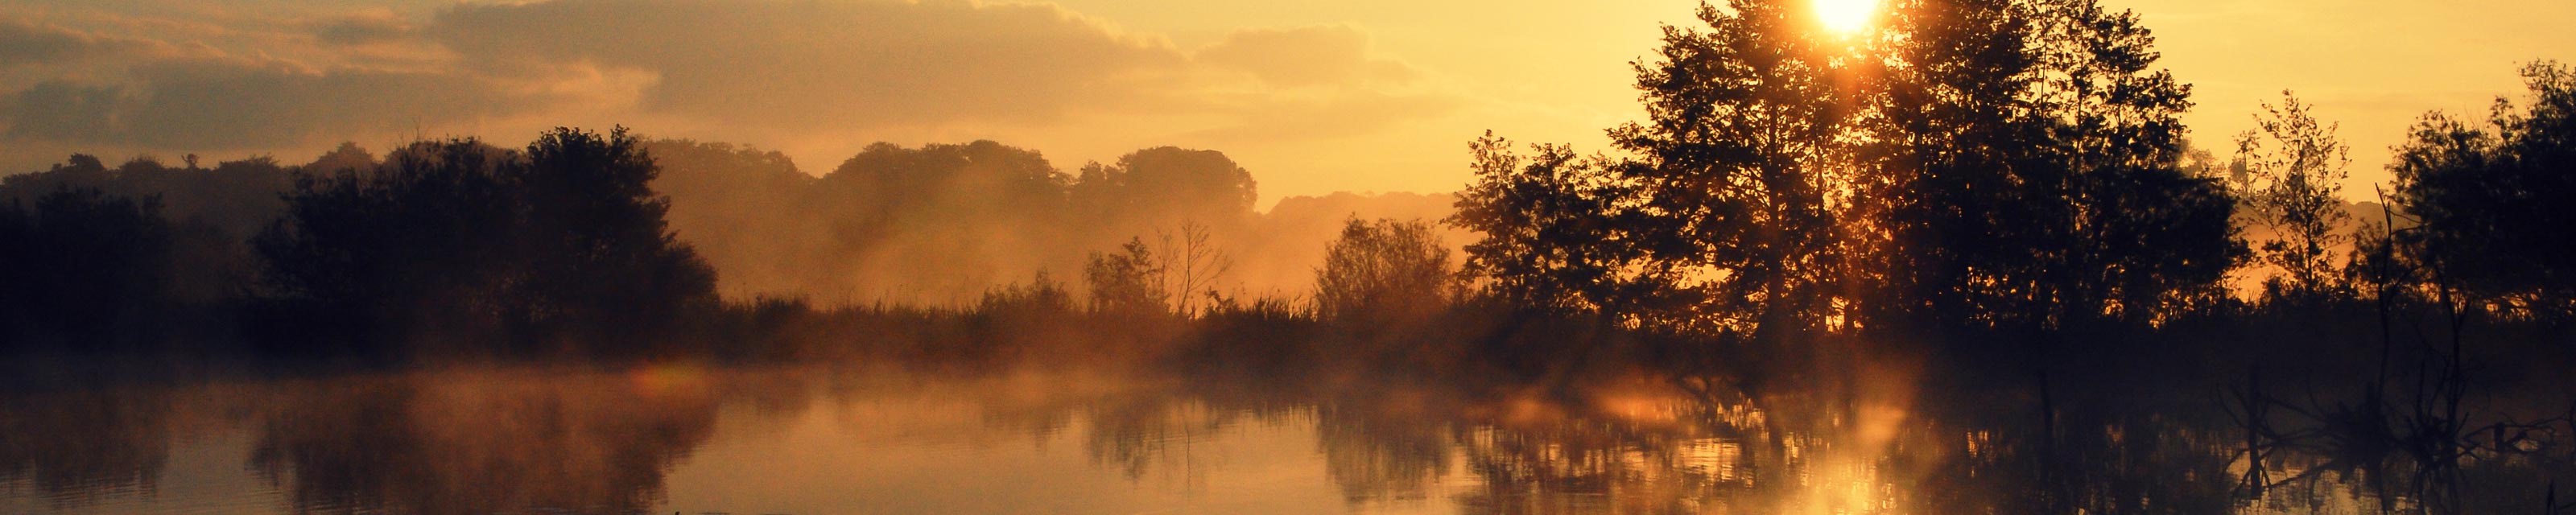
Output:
x,y
479,442
73,449
816,440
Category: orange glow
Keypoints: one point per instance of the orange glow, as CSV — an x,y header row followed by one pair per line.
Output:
x,y
1845,16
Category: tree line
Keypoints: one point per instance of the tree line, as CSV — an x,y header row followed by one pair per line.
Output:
x,y
1990,167
584,244
1974,168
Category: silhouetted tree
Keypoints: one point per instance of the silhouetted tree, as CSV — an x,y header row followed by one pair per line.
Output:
x,y
454,241
2491,202
1741,164
237,198
1977,165
347,156
2027,171
1383,272
419,246
81,269
1190,264
2292,179
1556,229
212,213
598,253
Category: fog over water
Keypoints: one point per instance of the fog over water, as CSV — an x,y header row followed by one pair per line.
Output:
x,y
816,440
875,256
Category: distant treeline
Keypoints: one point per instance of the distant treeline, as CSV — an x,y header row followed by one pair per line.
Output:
x,y
583,244
1778,193
941,224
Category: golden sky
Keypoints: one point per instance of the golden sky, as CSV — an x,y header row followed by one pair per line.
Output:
x,y
1311,96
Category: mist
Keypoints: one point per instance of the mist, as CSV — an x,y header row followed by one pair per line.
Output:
x,y
1910,256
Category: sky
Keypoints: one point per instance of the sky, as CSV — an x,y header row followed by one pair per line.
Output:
x,y
1311,96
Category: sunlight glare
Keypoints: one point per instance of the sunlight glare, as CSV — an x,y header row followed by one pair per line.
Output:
x,y
1845,16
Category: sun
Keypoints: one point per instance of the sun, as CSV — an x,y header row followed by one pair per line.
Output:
x,y
1845,16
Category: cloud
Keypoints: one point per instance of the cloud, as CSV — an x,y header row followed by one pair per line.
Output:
x,y
24,43
1306,56
808,72
60,111
230,104
362,29
812,64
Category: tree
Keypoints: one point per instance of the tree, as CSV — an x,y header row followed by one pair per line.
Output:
x,y
1126,282
735,205
947,221
1556,229
1977,165
81,266
212,213
2490,202
1162,186
599,255
2026,171
1740,165
347,156
1190,266
2292,178
419,244
1383,272
562,248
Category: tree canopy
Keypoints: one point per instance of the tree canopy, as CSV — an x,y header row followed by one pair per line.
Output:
x,y
1973,165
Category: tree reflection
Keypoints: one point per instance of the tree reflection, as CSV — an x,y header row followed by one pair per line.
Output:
x,y
517,441
76,447
488,443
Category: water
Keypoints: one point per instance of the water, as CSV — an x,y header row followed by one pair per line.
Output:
x,y
815,440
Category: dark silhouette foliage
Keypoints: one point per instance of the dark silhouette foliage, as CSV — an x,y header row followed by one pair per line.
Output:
x,y
83,271
212,213
2490,204
2291,172
237,198
1987,165
2028,173
1556,230
559,249
1739,164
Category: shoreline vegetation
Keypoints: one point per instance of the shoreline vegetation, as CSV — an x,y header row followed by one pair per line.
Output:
x,y
2027,226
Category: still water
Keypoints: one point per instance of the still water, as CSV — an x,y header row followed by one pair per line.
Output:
x,y
828,440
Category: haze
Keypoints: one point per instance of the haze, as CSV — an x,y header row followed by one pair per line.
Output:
x,y
1311,97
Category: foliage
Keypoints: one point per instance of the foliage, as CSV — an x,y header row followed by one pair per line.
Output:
x,y
2028,168
1150,188
1555,229
2291,177
737,206
2490,202
562,246
1739,164
1977,165
1126,281
1383,272
81,267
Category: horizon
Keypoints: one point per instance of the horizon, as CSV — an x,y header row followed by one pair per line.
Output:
x,y
1346,256
1375,96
